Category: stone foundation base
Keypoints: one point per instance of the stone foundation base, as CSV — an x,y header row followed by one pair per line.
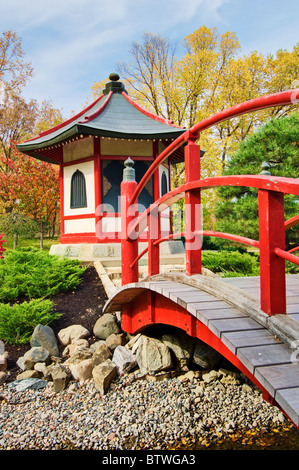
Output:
x,y
96,252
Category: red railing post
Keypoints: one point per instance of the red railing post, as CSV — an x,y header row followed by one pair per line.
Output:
x,y
192,208
271,236
129,247
153,234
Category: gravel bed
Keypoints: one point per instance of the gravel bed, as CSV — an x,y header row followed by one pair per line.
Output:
x,y
135,414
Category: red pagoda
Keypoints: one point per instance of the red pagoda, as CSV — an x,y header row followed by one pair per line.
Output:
x,y
90,149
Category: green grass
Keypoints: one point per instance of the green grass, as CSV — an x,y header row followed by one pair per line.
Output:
x,y
29,243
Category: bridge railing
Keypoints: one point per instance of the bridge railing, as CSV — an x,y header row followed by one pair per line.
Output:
x,y
271,191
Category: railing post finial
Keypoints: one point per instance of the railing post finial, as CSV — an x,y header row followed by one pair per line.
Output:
x,y
265,169
129,171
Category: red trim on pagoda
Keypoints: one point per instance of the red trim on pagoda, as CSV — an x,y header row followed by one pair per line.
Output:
x,y
68,121
149,114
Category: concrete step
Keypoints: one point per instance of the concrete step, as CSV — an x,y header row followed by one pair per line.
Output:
x,y
175,259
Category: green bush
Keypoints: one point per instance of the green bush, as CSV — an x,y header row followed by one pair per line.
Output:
x,y
31,273
18,321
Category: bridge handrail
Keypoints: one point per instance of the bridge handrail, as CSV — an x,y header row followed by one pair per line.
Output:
x,y
270,183
271,191
263,102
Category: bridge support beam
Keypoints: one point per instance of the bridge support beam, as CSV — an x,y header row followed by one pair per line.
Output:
x,y
272,267
151,308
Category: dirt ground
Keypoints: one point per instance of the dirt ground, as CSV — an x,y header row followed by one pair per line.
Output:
x,y
82,306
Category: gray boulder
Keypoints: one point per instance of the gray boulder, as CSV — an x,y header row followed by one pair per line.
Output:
x,y
27,384
105,326
72,333
181,345
44,336
152,355
34,355
123,359
205,356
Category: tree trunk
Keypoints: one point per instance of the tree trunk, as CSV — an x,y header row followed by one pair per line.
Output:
x,y
15,241
41,240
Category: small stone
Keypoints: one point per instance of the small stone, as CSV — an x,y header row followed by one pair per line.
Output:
x,y
27,384
82,371
34,355
210,376
72,348
189,376
3,377
115,340
28,374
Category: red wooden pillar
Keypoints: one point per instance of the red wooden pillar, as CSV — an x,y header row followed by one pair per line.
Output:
x,y
129,247
97,188
192,208
61,183
272,267
153,234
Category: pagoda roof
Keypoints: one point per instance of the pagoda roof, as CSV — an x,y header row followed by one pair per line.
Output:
x,y
113,114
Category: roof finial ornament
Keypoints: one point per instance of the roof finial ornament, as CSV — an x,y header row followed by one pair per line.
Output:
x,y
114,85
113,77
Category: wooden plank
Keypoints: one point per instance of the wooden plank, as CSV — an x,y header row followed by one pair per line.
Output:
x,y
258,356
218,327
295,316
288,399
196,307
166,288
293,309
240,339
220,313
278,377
189,297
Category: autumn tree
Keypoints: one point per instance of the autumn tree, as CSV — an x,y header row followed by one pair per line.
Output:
x,y
28,188
37,191
14,70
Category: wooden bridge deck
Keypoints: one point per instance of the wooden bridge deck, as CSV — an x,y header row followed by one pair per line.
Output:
x,y
240,325
251,285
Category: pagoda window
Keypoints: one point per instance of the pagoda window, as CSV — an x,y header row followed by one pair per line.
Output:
x,y
78,190
164,186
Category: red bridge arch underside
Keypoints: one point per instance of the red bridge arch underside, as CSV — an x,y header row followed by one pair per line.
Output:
x,y
149,303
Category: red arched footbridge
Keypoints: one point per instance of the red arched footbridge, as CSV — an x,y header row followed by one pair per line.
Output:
x,y
253,321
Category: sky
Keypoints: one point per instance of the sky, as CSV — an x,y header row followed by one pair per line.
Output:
x,y
71,44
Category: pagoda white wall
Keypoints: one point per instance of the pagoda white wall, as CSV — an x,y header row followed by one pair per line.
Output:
x,y
79,225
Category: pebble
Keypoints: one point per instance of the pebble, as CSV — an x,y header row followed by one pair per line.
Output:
x,y
135,414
